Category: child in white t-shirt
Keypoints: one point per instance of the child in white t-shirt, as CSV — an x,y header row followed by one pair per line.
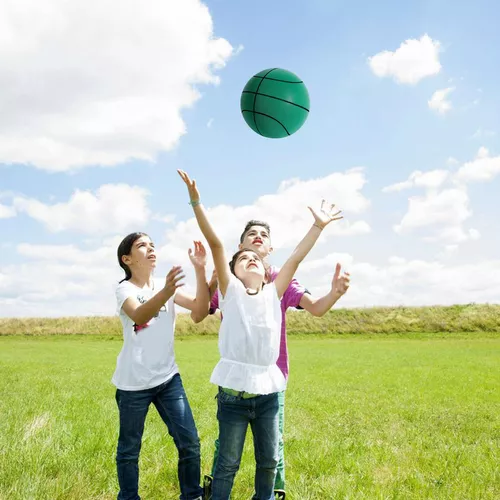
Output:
x,y
146,371
249,338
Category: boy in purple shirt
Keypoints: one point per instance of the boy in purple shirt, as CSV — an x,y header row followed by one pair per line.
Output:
x,y
257,237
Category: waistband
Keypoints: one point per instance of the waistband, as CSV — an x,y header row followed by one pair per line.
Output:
x,y
241,394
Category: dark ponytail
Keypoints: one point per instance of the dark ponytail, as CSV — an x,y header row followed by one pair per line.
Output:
x,y
124,248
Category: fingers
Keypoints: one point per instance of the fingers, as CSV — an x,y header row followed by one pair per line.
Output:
x,y
199,248
175,274
337,272
185,177
313,212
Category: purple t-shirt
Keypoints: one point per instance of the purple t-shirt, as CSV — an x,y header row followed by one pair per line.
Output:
x,y
291,298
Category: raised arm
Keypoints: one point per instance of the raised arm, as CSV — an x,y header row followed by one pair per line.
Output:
x,y
320,306
142,313
214,242
321,220
197,305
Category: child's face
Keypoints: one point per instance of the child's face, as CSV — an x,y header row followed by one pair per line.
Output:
x,y
257,238
249,264
142,255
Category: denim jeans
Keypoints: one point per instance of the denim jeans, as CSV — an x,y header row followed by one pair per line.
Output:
x,y
234,415
172,405
279,482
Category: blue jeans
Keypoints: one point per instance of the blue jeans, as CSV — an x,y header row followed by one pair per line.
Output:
x,y
279,482
172,405
234,415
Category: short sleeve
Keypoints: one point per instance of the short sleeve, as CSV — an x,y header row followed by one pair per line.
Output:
x,y
293,294
123,292
214,303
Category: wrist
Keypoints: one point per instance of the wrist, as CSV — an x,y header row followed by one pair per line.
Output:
x,y
318,226
194,203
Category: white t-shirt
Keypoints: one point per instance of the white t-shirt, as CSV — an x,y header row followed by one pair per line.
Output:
x,y
147,358
249,340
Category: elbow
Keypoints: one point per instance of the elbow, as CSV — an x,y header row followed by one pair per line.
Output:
x,y
199,316
138,319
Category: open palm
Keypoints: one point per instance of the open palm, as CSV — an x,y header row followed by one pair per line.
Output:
x,y
194,194
199,256
326,214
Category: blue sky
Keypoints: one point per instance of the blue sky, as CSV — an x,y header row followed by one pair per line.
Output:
x,y
77,113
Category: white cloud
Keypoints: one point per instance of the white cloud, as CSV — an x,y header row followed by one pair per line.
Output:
x,y
410,63
59,280
445,206
446,211
6,212
481,133
67,281
400,281
85,83
429,180
114,207
439,103
482,168
286,211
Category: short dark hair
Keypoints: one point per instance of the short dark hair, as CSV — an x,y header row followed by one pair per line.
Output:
x,y
251,223
124,248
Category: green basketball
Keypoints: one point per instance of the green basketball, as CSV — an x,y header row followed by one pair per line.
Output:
x,y
275,103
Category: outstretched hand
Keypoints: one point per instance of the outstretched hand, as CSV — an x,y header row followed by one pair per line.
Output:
x,y
325,215
340,284
199,257
194,194
173,280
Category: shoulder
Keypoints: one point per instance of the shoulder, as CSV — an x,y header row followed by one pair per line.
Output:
x,y
234,287
124,287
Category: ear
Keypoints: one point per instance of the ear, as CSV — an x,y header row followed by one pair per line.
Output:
x,y
271,249
126,259
240,246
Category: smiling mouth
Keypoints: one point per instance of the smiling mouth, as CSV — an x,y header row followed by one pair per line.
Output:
x,y
252,264
152,257
255,242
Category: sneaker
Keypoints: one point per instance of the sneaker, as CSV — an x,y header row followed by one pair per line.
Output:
x,y
207,487
279,494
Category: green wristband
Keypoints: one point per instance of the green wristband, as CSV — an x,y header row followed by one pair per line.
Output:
x,y
194,203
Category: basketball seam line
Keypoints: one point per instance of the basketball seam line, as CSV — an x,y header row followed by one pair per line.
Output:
x,y
255,99
264,114
277,98
274,79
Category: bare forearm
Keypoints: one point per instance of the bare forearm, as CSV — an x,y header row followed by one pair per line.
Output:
x,y
306,244
205,227
145,312
202,299
319,307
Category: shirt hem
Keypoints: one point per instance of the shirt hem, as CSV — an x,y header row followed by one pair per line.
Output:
x,y
148,386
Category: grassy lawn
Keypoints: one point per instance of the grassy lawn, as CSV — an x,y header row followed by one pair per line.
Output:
x,y
366,417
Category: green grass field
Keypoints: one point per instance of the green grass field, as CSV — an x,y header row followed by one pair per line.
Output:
x,y
375,417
